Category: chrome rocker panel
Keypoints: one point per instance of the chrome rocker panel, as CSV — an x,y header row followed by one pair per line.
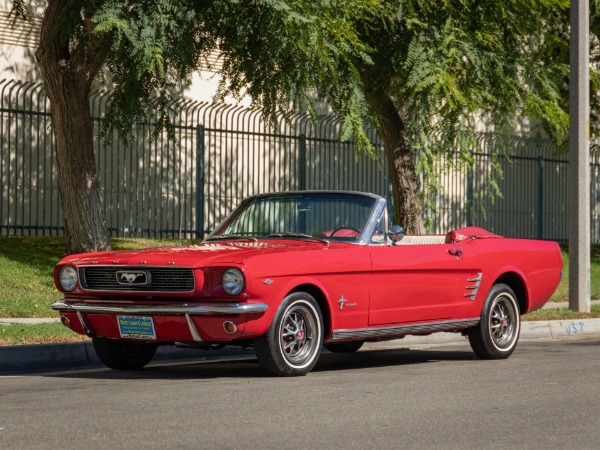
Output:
x,y
402,330
164,310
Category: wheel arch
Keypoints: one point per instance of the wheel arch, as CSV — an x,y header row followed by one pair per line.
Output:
x,y
517,284
319,296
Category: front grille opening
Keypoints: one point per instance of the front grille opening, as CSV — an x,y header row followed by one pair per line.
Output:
x,y
158,279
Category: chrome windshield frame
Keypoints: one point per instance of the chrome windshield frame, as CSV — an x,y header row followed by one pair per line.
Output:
x,y
364,238
371,225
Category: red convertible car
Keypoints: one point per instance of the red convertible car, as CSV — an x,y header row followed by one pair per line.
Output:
x,y
289,273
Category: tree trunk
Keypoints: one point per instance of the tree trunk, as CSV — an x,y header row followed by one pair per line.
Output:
x,y
68,71
408,210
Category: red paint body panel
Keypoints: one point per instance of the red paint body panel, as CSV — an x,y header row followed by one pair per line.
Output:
x,y
537,263
414,283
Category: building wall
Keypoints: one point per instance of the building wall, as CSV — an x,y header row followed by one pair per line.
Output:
x,y
19,40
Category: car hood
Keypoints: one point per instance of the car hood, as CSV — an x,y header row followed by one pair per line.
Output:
x,y
195,256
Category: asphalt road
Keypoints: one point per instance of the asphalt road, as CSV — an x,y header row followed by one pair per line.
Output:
x,y
547,395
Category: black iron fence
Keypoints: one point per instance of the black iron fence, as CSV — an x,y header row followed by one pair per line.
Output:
x,y
222,154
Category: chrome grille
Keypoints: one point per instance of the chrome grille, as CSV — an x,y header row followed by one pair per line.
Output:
x,y
160,279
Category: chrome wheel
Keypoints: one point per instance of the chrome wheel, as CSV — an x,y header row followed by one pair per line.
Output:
x,y
292,344
297,336
497,333
503,321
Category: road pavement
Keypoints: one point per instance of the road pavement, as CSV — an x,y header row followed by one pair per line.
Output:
x,y
546,395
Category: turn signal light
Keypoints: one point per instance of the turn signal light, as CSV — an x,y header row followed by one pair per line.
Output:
x,y
65,321
229,326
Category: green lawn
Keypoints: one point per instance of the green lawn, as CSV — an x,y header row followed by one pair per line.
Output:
x,y
562,293
27,289
41,333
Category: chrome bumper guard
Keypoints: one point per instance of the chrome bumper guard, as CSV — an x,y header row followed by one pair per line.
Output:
x,y
164,310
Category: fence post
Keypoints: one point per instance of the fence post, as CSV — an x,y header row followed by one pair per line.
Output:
x,y
470,193
302,162
200,182
540,199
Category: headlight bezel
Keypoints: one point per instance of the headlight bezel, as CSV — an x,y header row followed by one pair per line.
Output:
x,y
235,282
74,278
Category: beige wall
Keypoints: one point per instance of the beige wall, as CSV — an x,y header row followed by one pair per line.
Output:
x,y
19,41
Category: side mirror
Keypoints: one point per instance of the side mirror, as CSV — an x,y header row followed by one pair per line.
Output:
x,y
397,229
396,233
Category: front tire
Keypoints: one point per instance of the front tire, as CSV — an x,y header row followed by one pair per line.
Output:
x,y
292,344
497,333
123,355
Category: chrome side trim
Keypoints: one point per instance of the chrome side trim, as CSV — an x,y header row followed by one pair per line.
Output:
x,y
474,287
403,330
164,310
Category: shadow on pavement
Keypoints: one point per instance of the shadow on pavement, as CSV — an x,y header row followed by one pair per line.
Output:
x,y
249,368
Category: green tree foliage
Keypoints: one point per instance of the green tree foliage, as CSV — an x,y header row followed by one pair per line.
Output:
x,y
277,52
274,50
421,71
445,64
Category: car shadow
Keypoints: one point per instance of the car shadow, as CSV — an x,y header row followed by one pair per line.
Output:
x,y
248,367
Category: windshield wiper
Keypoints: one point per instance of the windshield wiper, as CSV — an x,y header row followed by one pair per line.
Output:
x,y
231,236
299,235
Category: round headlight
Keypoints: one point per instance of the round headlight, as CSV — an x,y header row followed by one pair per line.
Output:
x,y
233,281
67,278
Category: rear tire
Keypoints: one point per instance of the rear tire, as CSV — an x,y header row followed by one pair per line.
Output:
x,y
292,344
497,333
123,355
344,347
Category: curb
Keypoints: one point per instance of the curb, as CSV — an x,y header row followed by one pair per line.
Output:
x,y
22,359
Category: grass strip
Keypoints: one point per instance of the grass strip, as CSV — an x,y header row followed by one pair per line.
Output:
x,y
39,333
562,314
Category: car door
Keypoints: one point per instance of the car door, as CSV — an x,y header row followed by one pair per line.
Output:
x,y
414,283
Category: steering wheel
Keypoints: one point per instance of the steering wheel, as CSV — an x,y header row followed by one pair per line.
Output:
x,y
354,230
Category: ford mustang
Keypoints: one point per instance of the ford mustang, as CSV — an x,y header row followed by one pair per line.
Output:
x,y
292,272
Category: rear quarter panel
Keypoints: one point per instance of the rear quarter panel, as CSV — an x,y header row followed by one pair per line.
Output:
x,y
537,263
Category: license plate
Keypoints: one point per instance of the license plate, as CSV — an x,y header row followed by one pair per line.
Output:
x,y
136,327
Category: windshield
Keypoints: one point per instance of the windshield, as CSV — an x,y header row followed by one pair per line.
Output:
x,y
331,216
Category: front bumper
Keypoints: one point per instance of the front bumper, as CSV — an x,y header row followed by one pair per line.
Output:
x,y
164,310
173,322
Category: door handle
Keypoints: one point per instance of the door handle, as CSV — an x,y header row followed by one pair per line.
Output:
x,y
455,252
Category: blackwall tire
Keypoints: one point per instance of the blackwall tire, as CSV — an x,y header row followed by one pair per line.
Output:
x,y
123,355
292,344
497,333
344,347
